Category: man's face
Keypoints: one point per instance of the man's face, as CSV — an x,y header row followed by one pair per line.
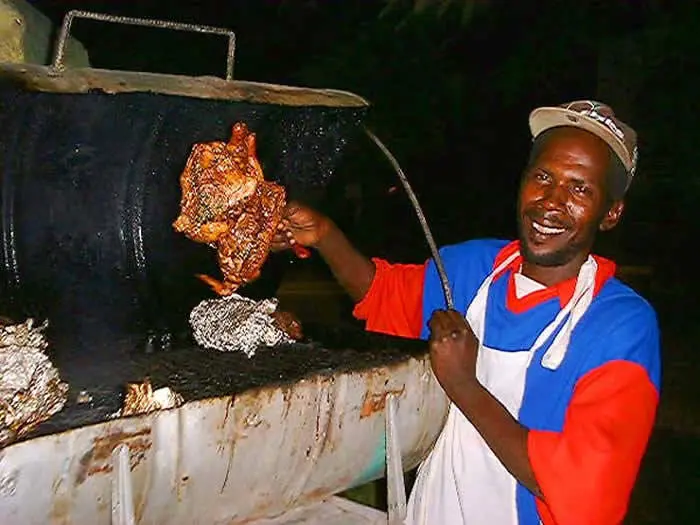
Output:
x,y
562,202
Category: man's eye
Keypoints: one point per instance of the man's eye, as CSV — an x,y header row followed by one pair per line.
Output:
x,y
542,177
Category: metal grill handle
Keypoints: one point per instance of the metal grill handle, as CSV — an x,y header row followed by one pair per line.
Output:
x,y
59,53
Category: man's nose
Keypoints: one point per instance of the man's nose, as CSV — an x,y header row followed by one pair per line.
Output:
x,y
554,197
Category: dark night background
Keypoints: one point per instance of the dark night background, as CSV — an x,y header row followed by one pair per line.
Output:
x,y
451,86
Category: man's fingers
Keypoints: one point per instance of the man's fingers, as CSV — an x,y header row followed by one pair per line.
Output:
x,y
436,321
279,237
282,240
441,326
447,320
291,210
447,326
456,317
454,334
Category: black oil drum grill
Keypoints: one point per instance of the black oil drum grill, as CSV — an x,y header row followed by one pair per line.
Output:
x,y
90,162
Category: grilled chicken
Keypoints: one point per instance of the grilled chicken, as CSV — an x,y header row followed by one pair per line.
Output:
x,y
227,203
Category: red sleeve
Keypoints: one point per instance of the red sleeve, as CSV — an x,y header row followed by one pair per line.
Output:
x,y
394,302
586,472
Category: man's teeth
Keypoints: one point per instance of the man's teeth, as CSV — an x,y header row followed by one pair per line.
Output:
x,y
545,230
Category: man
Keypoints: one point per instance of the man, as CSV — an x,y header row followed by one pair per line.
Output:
x,y
552,365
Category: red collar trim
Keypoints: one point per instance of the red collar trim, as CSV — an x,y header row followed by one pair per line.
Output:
x,y
564,290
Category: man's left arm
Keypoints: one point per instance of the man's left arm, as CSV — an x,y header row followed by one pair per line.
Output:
x,y
596,456
453,349
587,471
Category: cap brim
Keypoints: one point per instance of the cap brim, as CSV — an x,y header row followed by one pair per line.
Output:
x,y
542,119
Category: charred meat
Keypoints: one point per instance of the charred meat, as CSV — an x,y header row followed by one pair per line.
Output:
x,y
227,203
288,323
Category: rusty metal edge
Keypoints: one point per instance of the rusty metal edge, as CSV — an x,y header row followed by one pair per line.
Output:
x,y
250,392
86,80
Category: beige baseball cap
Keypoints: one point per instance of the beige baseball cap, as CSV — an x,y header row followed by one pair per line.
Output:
x,y
597,118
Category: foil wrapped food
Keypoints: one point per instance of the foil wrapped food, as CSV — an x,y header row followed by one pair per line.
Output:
x,y
237,324
141,399
31,390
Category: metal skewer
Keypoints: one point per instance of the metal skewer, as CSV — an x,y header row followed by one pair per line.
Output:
x,y
421,218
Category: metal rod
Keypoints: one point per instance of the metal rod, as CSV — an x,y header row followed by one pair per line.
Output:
x,y
421,218
64,33
396,486
122,488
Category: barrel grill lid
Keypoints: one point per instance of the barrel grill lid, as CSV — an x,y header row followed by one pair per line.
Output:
x,y
56,78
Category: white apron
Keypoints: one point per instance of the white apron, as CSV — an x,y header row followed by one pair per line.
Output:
x,y
462,482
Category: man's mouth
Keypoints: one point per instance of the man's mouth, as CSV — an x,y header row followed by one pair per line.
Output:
x,y
546,230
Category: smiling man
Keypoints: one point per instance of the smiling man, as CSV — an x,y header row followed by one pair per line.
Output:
x,y
552,365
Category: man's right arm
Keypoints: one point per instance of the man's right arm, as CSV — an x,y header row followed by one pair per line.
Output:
x,y
353,271
388,297
304,226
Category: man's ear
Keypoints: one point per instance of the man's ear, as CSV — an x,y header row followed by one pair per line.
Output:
x,y
613,216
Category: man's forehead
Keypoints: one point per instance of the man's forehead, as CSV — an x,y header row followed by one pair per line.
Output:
x,y
573,154
571,138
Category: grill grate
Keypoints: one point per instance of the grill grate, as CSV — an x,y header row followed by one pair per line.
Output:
x,y
196,373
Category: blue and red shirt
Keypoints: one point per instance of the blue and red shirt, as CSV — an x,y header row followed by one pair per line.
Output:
x,y
590,419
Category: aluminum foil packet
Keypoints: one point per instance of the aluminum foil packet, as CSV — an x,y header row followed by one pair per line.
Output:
x,y
31,390
142,399
236,324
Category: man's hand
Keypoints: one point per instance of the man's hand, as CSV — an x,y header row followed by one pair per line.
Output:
x,y
300,225
453,351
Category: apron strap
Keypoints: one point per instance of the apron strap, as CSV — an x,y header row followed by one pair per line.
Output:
x,y
574,310
567,318
476,313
